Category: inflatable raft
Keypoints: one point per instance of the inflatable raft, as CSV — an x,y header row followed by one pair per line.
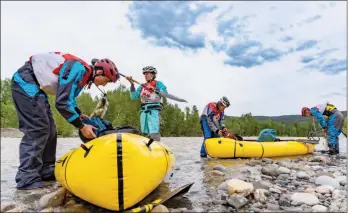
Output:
x,y
230,148
115,171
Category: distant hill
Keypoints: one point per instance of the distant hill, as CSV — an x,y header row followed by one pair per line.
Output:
x,y
287,119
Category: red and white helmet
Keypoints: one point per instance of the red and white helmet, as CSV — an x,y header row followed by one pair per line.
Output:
x,y
109,69
303,111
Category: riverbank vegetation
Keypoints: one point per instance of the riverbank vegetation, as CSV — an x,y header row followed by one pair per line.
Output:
x,y
174,121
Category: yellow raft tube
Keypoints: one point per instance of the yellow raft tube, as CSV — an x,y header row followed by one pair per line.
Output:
x,y
115,171
229,148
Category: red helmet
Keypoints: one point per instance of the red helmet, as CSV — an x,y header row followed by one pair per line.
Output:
x,y
109,68
304,110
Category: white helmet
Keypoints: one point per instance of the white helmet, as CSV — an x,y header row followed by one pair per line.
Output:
x,y
149,69
224,101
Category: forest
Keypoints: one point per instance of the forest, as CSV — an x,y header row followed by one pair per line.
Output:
x,y
174,121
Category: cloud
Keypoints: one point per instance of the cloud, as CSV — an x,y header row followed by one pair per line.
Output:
x,y
253,61
168,23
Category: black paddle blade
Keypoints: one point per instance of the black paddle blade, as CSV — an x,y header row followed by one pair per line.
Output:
x,y
174,97
148,207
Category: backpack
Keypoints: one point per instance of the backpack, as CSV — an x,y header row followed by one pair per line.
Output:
x,y
105,127
267,135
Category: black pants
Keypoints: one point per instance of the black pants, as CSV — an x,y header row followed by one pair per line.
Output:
x,y
37,150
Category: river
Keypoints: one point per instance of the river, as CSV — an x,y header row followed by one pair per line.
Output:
x,y
190,167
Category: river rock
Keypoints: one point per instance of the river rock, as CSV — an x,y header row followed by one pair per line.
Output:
x,y
18,209
306,198
270,170
273,207
283,170
236,186
260,195
302,175
220,168
343,182
322,159
53,199
218,173
6,206
223,186
237,201
262,184
341,178
338,194
284,202
324,189
76,208
324,173
326,180
267,160
309,190
49,209
160,209
254,162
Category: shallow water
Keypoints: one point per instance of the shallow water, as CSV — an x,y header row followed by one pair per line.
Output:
x,y
190,167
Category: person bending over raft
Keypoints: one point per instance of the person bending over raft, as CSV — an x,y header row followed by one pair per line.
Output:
x,y
212,121
151,102
55,73
333,127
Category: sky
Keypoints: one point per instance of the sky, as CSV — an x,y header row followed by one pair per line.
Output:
x,y
269,58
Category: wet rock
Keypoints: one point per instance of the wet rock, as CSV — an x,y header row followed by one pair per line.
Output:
x,y
218,173
302,175
6,206
220,168
270,170
277,189
283,170
334,207
266,177
160,208
296,183
324,189
292,209
326,180
306,198
237,201
70,203
236,186
254,209
260,195
284,202
53,199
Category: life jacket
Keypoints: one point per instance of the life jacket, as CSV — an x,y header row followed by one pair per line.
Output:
x,y
149,96
325,109
217,113
46,67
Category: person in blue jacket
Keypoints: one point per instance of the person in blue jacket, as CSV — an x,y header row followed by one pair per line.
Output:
x,y
151,102
212,121
333,126
62,75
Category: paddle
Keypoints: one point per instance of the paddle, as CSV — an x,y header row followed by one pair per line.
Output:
x,y
148,207
158,92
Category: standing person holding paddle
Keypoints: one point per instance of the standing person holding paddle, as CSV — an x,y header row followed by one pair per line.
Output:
x,y
151,102
333,126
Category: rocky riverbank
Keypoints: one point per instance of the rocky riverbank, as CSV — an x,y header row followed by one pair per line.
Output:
x,y
314,183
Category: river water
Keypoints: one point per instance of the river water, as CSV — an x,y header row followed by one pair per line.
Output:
x,y
190,167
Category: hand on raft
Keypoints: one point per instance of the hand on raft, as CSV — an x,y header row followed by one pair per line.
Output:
x,y
87,131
